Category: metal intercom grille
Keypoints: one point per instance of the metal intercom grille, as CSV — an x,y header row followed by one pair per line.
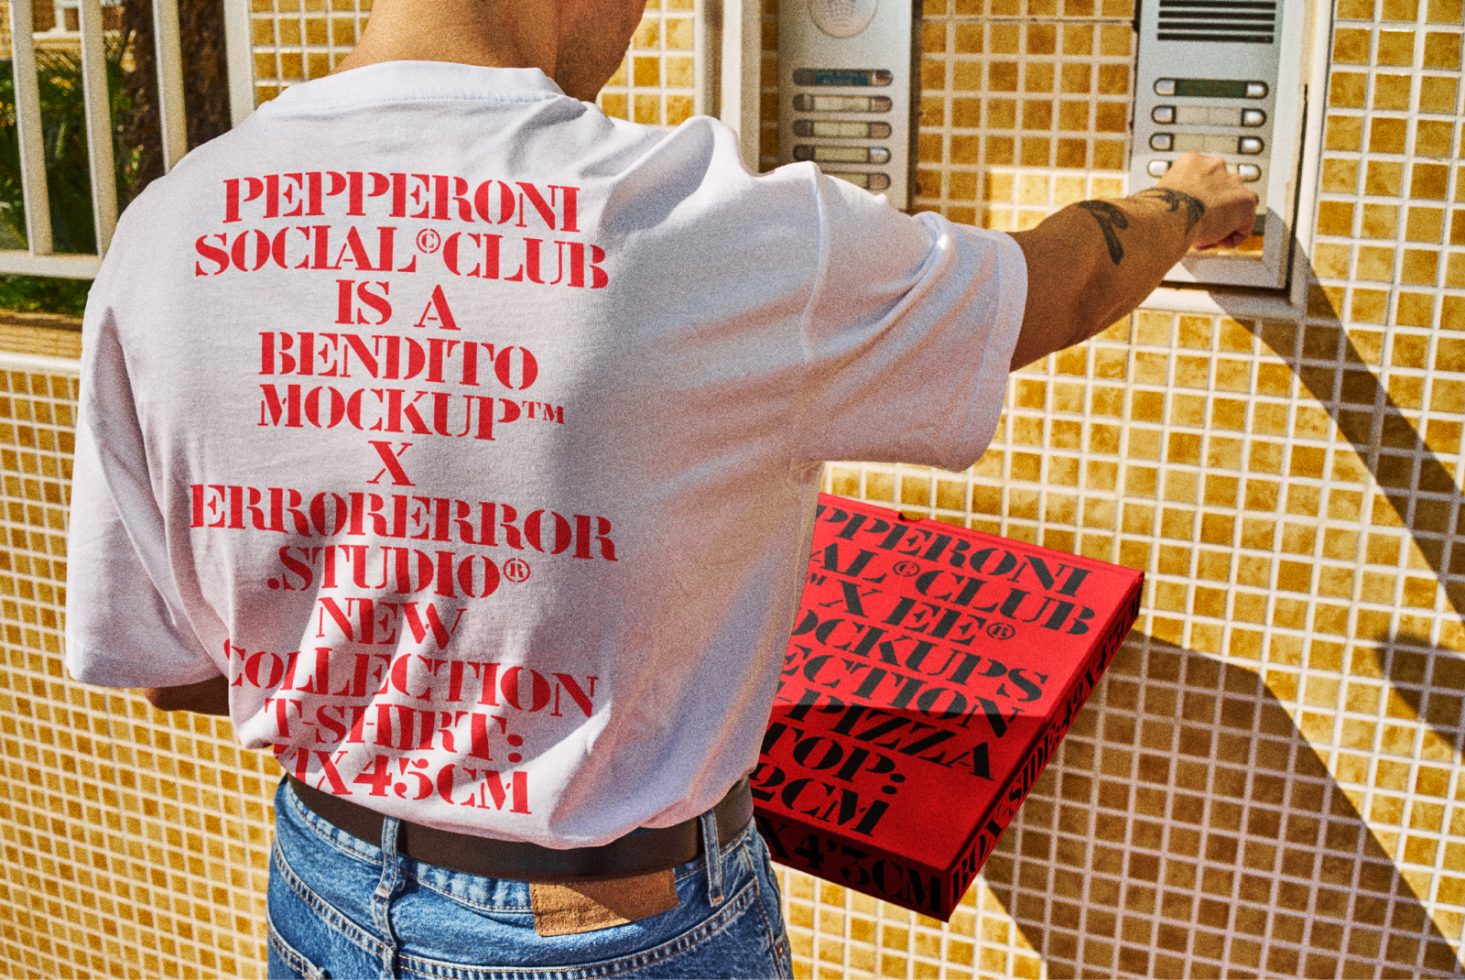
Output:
x,y
1211,77
1247,21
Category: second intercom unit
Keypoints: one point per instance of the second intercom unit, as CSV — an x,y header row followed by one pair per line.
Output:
x,y
1223,77
845,90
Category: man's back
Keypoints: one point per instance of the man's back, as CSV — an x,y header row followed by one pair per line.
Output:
x,y
481,435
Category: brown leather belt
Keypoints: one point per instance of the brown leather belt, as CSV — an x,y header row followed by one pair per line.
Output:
x,y
641,851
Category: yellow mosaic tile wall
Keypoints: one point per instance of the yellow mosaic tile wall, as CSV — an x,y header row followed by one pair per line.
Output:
x,y
1269,781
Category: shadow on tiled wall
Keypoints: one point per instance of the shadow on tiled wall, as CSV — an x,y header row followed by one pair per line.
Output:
x,y
1431,681
1189,829
1419,487
1426,500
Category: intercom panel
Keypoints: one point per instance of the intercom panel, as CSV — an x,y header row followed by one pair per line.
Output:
x,y
1223,77
845,90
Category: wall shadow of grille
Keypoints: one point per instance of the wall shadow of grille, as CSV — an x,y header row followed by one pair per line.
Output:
x,y
1419,487
1428,679
1188,828
1421,491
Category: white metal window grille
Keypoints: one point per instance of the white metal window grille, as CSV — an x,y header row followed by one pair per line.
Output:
x,y
39,257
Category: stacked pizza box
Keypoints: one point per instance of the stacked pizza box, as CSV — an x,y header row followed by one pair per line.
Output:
x,y
931,674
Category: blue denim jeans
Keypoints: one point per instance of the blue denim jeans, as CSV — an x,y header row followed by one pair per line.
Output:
x,y
340,907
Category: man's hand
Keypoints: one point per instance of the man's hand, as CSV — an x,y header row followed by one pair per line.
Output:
x,y
1095,261
210,697
1228,206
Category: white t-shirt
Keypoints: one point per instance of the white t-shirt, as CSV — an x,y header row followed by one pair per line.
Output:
x,y
475,436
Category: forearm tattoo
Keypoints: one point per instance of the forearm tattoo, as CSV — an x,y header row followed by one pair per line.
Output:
x,y
1109,218
1178,199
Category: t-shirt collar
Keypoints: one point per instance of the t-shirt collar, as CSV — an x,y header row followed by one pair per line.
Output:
x,y
384,81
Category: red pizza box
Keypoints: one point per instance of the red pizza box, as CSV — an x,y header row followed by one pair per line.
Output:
x,y
931,674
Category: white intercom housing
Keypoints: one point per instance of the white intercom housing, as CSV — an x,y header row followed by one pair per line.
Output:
x,y
1224,77
845,90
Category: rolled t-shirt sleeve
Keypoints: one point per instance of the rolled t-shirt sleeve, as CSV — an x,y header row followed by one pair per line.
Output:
x,y
125,625
909,333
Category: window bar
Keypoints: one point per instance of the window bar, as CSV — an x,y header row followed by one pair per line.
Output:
x,y
239,46
35,194
98,122
171,114
740,88
702,34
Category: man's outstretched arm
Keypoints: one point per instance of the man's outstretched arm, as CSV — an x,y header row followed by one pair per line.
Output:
x,y
1093,262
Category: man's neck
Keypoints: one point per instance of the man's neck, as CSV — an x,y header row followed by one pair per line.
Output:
x,y
463,31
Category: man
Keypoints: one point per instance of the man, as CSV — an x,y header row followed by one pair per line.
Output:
x,y
460,444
